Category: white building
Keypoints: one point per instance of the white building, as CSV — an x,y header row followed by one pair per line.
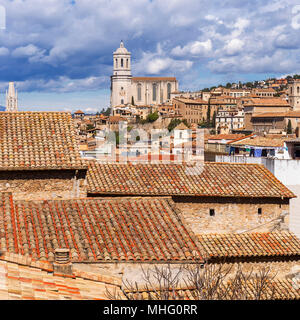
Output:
x,y
11,98
232,120
140,90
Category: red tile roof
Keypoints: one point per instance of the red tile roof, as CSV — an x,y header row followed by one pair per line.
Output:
x,y
212,179
256,244
191,101
153,79
231,136
267,102
24,278
259,141
38,140
97,230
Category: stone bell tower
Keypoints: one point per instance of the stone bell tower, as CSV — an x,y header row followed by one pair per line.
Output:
x,y
121,78
11,98
294,94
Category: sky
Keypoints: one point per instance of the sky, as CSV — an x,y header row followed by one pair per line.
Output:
x,y
59,52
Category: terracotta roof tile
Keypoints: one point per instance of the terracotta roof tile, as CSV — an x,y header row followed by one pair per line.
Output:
x,y
135,79
38,140
250,244
258,141
28,281
212,179
97,230
267,102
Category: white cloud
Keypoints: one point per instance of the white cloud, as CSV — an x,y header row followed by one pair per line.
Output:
x,y
157,62
195,48
180,20
30,51
59,46
4,51
234,46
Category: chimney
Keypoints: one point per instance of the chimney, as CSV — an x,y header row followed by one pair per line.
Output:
x,y
62,263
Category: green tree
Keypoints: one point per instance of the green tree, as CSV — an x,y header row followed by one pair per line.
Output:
x,y
90,127
117,133
107,112
289,127
208,114
213,122
173,124
152,117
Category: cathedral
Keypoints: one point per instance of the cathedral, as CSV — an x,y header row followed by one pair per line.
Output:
x,y
139,90
11,98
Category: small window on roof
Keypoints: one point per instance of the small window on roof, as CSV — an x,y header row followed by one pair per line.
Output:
x,y
212,212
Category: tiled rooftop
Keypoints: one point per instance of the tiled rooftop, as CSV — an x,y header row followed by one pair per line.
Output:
x,y
216,179
259,141
95,230
135,79
38,140
224,136
250,244
25,279
267,102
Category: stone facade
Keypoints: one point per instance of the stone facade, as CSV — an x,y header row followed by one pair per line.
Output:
x,y
143,90
232,215
294,94
194,111
44,184
133,272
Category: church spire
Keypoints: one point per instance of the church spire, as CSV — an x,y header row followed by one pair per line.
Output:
x,y
11,98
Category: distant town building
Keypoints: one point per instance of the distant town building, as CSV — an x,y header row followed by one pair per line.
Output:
x,y
79,114
193,110
11,98
137,90
294,94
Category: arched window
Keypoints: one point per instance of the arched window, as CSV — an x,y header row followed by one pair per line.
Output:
x,y
121,63
298,90
169,91
154,88
116,63
127,63
139,92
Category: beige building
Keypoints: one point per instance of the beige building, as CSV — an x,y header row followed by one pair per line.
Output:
x,y
193,110
254,106
140,90
294,94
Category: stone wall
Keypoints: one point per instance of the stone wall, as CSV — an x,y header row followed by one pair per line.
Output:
x,y
232,215
276,269
133,272
47,184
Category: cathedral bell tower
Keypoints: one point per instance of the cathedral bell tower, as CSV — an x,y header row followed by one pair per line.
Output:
x,y
121,78
11,98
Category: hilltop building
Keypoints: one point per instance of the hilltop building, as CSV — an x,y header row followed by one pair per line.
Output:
x,y
140,90
11,98
294,94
